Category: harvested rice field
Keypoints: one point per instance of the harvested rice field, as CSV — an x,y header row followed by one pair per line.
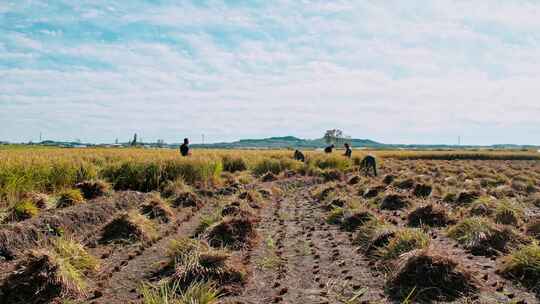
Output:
x,y
227,226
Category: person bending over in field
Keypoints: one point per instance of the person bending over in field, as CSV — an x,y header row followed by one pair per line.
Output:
x,y
348,151
299,156
369,164
184,148
329,149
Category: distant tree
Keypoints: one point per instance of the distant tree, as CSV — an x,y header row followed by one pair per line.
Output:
x,y
134,141
333,136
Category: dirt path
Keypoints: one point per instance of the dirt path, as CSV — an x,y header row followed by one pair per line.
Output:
x,y
304,260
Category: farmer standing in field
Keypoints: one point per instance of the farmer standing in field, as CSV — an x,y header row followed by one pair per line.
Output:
x,y
184,148
348,151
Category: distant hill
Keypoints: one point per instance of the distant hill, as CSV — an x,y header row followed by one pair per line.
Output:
x,y
285,142
295,142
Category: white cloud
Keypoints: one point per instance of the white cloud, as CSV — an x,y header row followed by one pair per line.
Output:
x,y
395,72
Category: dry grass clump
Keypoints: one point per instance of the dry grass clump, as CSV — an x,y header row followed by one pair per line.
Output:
x,y
166,293
335,216
335,200
404,240
231,232
422,190
388,179
533,228
373,191
94,188
181,194
428,275
374,235
467,197
23,210
41,200
253,197
404,183
508,212
502,192
75,253
48,274
523,265
394,201
352,219
449,197
157,208
194,261
236,209
534,200
355,179
430,215
129,227
482,237
269,177
68,198
321,193
330,175
483,206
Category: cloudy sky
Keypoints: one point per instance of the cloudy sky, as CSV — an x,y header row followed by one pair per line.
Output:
x,y
393,71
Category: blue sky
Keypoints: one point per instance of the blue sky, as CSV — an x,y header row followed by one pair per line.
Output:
x,y
393,71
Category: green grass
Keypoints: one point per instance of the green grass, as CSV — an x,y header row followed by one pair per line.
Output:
x,y
274,166
234,164
150,175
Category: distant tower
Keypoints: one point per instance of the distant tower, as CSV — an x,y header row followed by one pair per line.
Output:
x,y
202,138
116,141
40,136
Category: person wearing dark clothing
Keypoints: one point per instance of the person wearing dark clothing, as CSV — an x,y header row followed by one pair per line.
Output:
x,y
329,149
184,148
348,151
369,164
299,156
